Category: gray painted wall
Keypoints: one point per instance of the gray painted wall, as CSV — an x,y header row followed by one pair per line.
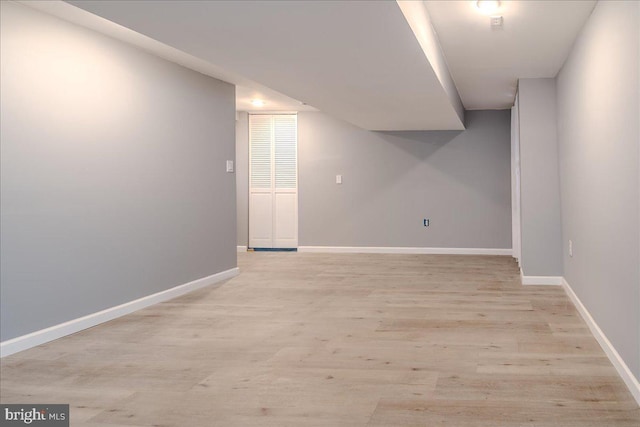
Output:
x,y
391,181
598,132
113,178
541,225
242,180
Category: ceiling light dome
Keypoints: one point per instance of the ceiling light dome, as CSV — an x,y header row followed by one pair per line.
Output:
x,y
488,6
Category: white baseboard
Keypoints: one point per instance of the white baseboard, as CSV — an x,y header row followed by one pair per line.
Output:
x,y
623,370
542,280
402,250
242,248
42,336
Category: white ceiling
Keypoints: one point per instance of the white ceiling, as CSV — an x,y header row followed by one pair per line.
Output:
x,y
273,101
357,60
486,64
246,90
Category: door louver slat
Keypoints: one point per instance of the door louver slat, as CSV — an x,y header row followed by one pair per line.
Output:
x,y
260,138
285,130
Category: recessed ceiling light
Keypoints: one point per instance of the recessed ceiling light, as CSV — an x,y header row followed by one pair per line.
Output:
x,y
488,6
257,102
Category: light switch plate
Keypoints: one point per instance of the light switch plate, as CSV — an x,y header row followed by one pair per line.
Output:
x,y
338,179
229,165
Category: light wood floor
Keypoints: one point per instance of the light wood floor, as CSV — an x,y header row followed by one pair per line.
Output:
x,y
337,340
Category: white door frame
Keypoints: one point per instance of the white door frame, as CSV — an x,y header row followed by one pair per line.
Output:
x,y
273,212
516,235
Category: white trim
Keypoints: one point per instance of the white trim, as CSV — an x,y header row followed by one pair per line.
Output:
x,y
272,113
623,370
42,336
242,248
516,231
542,280
403,250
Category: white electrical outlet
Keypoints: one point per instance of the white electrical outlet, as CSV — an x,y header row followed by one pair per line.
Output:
x,y
338,179
570,248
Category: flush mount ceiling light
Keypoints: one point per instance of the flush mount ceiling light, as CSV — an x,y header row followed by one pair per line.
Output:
x,y
257,102
488,6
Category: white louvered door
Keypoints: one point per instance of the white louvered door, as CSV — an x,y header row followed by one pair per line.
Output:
x,y
285,191
273,183
260,182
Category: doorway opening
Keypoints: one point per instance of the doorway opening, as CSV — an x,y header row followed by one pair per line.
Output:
x,y
273,181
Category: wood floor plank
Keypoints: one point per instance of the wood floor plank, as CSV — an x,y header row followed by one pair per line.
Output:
x,y
337,340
